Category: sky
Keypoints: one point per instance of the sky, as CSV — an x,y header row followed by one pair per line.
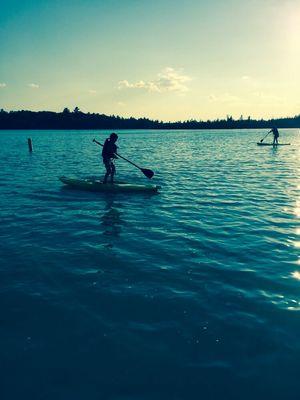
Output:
x,y
162,59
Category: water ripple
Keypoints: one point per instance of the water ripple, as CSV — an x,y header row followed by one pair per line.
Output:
x,y
201,280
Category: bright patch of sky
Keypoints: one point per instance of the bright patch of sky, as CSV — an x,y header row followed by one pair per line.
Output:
x,y
165,59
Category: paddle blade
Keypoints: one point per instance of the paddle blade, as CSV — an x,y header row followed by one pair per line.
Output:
x,y
147,172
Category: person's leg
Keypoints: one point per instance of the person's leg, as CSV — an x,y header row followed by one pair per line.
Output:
x,y
108,171
105,177
113,171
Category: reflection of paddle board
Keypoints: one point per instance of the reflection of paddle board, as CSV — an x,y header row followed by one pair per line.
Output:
x,y
275,145
98,186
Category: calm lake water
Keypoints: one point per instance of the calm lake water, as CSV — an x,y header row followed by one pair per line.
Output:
x,y
193,293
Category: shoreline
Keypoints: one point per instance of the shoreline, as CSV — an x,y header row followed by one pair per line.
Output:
x,y
142,129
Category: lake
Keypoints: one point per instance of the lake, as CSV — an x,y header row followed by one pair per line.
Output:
x,y
190,293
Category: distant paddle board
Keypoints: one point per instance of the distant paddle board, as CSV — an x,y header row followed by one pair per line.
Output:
x,y
274,145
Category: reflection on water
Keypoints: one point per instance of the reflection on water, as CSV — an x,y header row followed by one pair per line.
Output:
x,y
111,220
297,210
274,149
296,275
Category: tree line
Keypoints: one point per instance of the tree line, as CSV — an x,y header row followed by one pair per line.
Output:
x,y
77,119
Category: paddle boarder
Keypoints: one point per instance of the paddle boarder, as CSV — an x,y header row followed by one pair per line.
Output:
x,y
147,172
275,135
109,155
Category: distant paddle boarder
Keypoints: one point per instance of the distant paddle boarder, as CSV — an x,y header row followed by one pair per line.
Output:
x,y
275,135
109,155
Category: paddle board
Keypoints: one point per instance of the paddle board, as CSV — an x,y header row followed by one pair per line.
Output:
x,y
97,186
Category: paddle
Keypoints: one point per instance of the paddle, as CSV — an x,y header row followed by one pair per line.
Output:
x,y
265,137
147,172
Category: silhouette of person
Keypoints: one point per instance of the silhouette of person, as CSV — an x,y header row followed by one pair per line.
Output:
x,y
275,134
108,155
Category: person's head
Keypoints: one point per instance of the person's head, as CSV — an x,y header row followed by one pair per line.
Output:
x,y
113,137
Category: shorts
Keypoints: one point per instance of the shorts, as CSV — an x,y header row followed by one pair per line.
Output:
x,y
109,165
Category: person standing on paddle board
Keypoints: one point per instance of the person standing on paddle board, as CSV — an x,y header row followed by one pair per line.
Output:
x,y
109,155
275,134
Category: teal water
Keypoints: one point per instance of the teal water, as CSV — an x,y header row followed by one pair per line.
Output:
x,y
192,293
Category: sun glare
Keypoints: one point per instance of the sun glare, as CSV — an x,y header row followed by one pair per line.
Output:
x,y
296,275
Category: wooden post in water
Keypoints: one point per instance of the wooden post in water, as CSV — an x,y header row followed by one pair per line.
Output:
x,y
29,144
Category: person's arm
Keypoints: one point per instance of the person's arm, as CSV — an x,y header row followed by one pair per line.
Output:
x,y
115,151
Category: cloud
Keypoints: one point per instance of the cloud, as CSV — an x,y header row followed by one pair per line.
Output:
x,y
92,91
169,80
149,86
138,85
121,104
33,85
3,85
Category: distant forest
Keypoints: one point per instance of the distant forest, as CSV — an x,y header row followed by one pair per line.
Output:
x,y
77,119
